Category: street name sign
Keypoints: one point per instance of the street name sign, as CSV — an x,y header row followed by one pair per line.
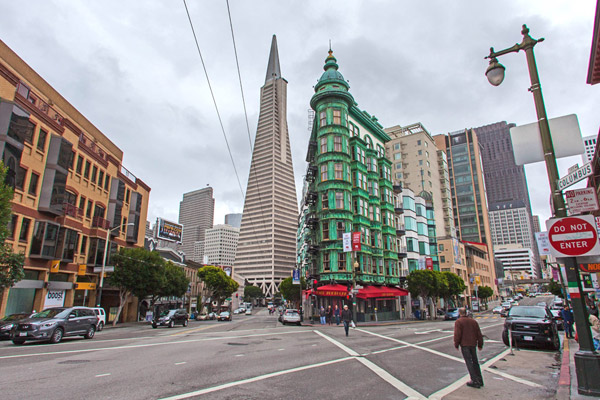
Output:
x,y
573,236
581,200
575,176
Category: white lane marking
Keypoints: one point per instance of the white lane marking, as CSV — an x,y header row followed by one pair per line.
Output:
x,y
255,379
181,363
426,332
386,376
240,355
514,378
439,353
280,349
148,345
101,375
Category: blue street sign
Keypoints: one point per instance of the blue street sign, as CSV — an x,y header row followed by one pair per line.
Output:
x,y
296,277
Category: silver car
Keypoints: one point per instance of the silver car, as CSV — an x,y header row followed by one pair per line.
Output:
x,y
290,316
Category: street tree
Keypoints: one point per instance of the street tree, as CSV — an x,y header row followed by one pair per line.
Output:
x,y
291,292
11,263
217,283
554,288
484,293
138,272
454,288
425,283
176,283
252,292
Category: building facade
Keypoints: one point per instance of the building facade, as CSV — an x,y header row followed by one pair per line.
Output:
x,y
71,194
196,214
349,190
220,245
266,252
589,143
234,220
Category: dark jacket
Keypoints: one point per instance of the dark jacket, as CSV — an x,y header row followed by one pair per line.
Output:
x,y
467,333
346,315
322,312
567,315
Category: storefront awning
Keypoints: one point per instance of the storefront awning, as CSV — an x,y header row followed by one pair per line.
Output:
x,y
332,290
375,292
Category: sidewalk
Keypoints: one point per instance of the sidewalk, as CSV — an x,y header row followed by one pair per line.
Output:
x,y
567,384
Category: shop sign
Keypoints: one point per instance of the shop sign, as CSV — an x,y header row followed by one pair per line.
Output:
x,y
82,269
590,267
85,286
54,298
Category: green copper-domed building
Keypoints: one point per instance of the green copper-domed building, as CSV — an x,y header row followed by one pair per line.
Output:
x,y
348,189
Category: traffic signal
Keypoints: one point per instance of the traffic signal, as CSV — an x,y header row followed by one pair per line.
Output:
x,y
236,295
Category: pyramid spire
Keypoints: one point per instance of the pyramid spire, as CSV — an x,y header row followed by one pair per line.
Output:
x,y
273,69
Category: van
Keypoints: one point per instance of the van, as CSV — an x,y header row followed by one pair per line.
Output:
x,y
101,315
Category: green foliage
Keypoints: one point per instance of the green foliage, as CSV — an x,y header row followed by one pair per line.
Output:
x,y
290,291
176,282
554,288
217,283
252,292
423,283
11,264
485,292
138,271
454,286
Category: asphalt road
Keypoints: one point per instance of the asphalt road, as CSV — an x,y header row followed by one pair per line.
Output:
x,y
252,357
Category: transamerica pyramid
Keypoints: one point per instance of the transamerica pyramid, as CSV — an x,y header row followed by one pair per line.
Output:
x,y
266,251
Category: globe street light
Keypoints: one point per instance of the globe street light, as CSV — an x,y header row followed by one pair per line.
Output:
x,y
108,232
587,361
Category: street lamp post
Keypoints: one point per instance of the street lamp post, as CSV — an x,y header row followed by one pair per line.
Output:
x,y
587,361
108,232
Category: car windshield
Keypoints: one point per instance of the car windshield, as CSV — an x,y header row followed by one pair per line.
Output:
x,y
14,317
167,313
225,313
533,312
52,313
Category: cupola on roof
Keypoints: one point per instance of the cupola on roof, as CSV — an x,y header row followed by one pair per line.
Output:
x,y
332,75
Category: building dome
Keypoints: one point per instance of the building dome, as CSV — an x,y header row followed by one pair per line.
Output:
x,y
331,75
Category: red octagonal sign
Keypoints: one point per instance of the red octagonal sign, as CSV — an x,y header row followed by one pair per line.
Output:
x,y
573,236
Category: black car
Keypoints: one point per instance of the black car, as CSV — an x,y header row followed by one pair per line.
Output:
x,y
53,324
531,325
171,318
7,323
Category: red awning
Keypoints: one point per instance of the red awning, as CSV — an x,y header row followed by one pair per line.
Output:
x,y
374,292
332,290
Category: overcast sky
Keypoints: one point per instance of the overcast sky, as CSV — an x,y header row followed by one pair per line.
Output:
x,y
133,70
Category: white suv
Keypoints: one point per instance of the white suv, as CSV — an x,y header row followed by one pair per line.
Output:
x,y
101,314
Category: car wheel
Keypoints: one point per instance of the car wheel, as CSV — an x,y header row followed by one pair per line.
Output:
x,y
298,323
171,324
505,338
153,326
90,332
555,345
18,341
185,322
100,326
56,335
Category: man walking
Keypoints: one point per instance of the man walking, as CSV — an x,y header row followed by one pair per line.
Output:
x,y
567,317
322,315
467,335
346,318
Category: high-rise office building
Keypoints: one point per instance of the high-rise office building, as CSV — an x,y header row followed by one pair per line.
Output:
x,y
196,214
536,223
589,142
220,244
234,220
266,251
510,224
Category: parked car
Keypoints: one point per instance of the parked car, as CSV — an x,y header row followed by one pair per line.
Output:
x,y
7,323
224,316
52,324
542,304
240,310
171,318
248,311
531,325
101,314
202,317
290,316
451,313
556,314
497,310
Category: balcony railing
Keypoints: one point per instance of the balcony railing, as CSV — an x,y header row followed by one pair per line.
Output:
x,y
92,146
99,222
72,211
40,104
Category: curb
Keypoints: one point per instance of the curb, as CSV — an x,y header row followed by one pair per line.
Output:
x,y
564,380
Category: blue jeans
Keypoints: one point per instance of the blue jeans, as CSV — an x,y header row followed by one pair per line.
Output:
x,y
322,320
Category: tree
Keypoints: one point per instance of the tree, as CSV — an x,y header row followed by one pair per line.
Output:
x,y
291,292
455,286
138,272
176,283
218,284
484,293
11,264
252,292
554,288
425,283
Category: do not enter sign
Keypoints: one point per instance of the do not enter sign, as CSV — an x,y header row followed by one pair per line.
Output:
x,y
573,236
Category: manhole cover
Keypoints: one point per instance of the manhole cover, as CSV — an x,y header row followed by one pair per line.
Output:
x,y
74,362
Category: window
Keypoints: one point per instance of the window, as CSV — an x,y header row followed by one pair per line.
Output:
x,y
12,226
337,143
325,261
82,203
33,183
88,211
418,142
20,181
106,181
398,156
94,173
325,230
399,165
340,228
442,259
83,245
339,171
420,162
100,177
86,170
337,116
420,152
339,200
322,118
41,143
342,261
323,173
324,201
79,165
323,145
24,229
